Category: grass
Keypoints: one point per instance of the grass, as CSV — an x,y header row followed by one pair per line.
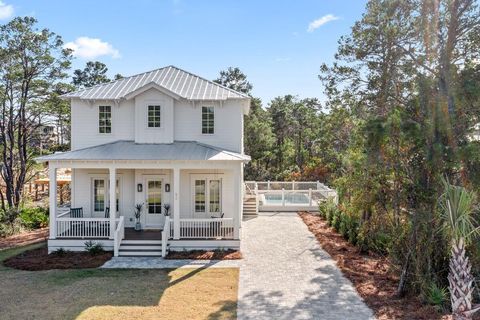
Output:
x,y
117,294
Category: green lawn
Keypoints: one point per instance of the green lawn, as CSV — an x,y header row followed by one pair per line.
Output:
x,y
117,294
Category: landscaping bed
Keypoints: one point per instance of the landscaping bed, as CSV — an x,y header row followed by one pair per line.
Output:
x,y
24,238
39,259
370,274
205,255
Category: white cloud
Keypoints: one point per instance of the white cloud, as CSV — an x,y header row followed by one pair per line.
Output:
x,y
315,24
90,48
282,59
6,11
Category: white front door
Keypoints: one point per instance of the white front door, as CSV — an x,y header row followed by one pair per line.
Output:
x,y
154,196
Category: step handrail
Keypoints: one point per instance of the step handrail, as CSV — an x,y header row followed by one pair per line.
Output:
x,y
118,235
165,236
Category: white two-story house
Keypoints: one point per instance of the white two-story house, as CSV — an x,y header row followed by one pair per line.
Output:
x,y
167,140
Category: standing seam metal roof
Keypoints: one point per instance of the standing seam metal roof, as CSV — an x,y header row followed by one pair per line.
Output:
x,y
129,150
180,82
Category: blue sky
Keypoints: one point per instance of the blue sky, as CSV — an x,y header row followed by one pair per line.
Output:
x,y
280,45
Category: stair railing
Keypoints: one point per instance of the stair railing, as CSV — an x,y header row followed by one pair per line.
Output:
x,y
118,235
165,236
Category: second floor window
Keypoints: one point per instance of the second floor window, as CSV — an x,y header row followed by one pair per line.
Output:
x,y
153,120
208,120
105,119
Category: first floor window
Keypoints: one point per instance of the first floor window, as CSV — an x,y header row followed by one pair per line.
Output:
x,y
200,193
154,197
99,194
208,120
153,116
105,119
207,195
214,195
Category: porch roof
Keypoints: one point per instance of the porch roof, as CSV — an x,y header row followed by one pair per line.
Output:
x,y
129,150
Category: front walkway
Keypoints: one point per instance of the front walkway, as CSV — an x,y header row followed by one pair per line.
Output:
x,y
285,274
161,263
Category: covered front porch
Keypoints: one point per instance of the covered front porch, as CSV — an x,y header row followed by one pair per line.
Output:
x,y
185,205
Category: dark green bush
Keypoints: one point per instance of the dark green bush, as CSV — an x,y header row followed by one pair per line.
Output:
x,y
34,218
436,296
93,247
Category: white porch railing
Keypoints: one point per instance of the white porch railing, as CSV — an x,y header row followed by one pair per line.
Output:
x,y
82,227
165,235
215,228
119,235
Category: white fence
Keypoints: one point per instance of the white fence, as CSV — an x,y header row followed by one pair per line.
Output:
x,y
215,228
288,195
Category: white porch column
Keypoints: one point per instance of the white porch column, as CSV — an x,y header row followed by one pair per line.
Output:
x,y
238,211
176,203
52,193
113,200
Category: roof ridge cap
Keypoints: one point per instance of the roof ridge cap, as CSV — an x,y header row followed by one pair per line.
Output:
x,y
211,81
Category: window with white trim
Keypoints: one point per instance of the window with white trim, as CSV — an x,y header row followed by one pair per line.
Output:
x,y
153,116
105,119
98,195
207,196
101,194
200,193
208,120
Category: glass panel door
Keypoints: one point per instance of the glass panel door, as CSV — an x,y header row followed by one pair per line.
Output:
x,y
154,202
214,193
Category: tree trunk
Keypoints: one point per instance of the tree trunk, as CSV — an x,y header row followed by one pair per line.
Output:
x,y
460,282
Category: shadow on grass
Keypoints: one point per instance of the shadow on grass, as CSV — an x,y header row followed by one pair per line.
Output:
x,y
118,293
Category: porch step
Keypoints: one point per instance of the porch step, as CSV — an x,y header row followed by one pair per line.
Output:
x,y
142,253
140,248
250,206
131,247
142,242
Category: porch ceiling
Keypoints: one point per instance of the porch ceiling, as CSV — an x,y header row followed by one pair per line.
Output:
x,y
129,150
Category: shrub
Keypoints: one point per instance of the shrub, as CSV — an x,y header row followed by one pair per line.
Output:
x,y
60,252
349,225
436,295
336,219
9,223
375,236
34,218
93,247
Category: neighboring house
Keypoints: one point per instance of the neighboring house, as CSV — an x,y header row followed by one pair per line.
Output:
x,y
163,137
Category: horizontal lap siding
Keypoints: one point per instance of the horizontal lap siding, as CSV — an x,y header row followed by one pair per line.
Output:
x,y
85,123
228,124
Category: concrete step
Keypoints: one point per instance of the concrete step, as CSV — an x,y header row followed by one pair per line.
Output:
x,y
144,253
141,242
133,247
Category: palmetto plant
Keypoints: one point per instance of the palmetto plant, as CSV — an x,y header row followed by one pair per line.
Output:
x,y
456,205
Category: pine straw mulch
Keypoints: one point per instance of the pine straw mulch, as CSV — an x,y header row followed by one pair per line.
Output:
x,y
370,274
39,259
24,238
205,255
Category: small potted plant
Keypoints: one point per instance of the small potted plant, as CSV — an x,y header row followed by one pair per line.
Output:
x,y
166,206
138,214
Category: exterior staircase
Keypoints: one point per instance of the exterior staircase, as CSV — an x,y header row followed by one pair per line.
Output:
x,y
140,248
250,208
